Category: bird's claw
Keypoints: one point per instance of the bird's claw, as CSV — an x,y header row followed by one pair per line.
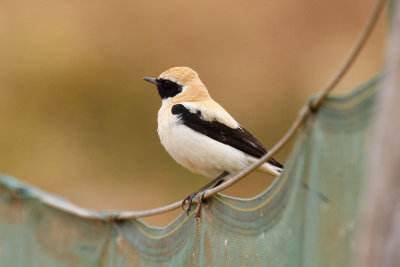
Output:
x,y
189,200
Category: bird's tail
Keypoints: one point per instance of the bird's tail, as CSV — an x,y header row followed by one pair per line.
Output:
x,y
270,169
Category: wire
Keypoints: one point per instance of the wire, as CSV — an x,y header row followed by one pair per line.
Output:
x,y
308,110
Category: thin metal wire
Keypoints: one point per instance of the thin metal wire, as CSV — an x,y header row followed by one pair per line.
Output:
x,y
362,40
307,110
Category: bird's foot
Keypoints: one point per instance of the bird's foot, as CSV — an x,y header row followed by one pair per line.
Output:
x,y
189,199
199,193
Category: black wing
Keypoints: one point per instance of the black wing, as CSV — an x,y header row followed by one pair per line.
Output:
x,y
238,138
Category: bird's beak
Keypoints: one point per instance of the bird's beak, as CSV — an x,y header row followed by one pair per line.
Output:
x,y
151,80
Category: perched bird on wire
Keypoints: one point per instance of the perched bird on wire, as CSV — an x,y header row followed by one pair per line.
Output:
x,y
201,135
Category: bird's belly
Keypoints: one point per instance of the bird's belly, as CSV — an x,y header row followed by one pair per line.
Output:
x,y
200,153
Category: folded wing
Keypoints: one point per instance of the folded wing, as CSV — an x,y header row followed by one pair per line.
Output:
x,y
238,138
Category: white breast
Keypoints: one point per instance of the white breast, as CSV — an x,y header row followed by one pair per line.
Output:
x,y
195,151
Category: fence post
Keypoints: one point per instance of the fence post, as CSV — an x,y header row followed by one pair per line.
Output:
x,y
379,233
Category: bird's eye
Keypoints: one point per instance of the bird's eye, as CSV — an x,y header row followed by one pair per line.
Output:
x,y
167,84
167,88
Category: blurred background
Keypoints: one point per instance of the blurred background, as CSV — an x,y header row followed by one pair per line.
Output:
x,y
78,121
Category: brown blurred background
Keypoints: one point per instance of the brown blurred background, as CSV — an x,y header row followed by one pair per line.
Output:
x,y
78,121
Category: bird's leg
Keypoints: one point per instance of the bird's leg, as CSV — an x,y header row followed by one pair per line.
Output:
x,y
189,198
199,199
218,183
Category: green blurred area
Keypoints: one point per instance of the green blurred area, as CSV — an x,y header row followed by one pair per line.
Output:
x,y
78,121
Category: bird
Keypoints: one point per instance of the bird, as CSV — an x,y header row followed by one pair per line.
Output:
x,y
201,135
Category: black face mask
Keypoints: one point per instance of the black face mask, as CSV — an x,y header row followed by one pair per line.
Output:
x,y
167,88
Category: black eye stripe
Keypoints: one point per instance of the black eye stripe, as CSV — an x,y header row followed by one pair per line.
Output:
x,y
167,84
168,88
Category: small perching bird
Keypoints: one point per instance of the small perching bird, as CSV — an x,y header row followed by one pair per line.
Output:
x,y
201,135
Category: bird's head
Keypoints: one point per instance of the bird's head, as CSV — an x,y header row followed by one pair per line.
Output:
x,y
179,82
